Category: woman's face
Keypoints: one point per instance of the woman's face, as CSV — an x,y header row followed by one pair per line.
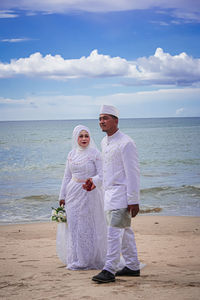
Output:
x,y
83,139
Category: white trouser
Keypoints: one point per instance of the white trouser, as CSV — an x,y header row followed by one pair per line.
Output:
x,y
121,241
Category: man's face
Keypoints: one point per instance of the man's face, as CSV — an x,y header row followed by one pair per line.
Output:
x,y
108,124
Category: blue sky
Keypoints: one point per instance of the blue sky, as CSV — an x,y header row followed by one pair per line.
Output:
x,y
62,59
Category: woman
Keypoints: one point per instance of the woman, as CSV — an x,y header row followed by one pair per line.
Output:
x,y
85,235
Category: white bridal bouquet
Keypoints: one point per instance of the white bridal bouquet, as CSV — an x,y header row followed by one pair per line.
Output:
x,y
59,214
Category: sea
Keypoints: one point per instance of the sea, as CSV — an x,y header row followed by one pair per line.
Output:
x,y
33,156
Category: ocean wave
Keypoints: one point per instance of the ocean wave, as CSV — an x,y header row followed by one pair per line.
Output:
x,y
161,174
44,140
150,210
19,168
155,189
189,189
40,198
194,186
170,162
193,161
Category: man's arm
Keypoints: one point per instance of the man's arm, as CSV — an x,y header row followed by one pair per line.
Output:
x,y
131,167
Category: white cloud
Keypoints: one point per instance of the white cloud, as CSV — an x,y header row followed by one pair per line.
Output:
x,y
184,9
164,68
187,16
161,68
7,14
15,40
10,101
158,103
159,95
161,23
55,67
180,111
47,107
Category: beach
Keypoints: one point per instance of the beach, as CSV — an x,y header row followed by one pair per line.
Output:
x,y
168,245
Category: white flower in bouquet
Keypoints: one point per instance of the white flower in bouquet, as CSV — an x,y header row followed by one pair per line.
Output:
x,y
54,212
59,214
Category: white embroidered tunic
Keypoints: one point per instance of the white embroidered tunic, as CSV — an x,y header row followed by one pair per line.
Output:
x,y
121,175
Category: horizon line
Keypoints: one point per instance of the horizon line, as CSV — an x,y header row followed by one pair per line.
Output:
x,y
90,119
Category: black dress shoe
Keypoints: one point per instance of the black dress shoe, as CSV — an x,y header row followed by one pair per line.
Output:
x,y
104,277
128,272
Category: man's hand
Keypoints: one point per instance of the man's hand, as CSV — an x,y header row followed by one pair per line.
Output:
x,y
89,185
62,202
133,209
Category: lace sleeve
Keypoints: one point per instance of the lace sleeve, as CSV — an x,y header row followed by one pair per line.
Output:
x,y
66,178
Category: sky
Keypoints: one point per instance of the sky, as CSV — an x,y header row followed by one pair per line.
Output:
x,y
63,59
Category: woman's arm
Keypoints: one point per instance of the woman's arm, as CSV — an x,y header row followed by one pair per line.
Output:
x,y
66,179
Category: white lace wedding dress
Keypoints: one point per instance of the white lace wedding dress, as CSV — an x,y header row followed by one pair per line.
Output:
x,y
82,243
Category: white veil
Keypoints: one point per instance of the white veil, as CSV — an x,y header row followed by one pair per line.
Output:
x,y
75,135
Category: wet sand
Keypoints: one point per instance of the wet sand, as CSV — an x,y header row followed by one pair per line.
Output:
x,y
169,246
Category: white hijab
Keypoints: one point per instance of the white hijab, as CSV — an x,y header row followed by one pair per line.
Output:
x,y
75,135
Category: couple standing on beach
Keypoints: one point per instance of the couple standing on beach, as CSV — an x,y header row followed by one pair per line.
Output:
x,y
87,246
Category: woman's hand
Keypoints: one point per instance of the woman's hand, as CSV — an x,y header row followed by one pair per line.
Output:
x,y
62,202
89,185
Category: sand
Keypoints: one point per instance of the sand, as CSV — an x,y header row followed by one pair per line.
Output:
x,y
169,246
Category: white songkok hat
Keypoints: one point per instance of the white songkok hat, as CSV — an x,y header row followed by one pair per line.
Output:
x,y
109,110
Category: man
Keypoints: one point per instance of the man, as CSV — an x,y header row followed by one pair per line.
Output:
x,y
121,186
